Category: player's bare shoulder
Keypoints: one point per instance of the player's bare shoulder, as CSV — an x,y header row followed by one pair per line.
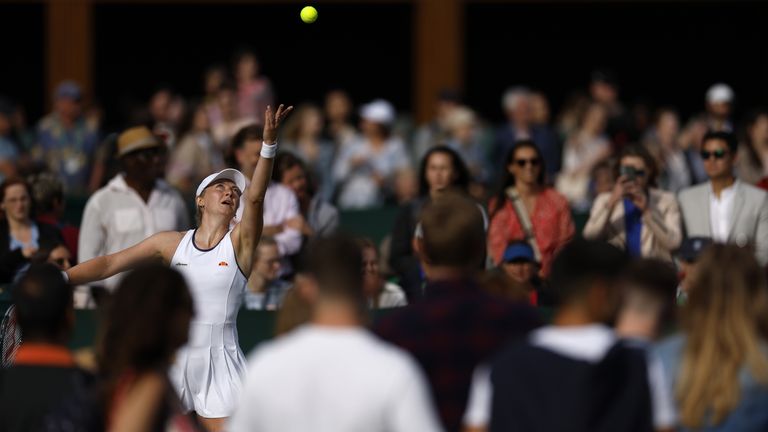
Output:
x,y
166,243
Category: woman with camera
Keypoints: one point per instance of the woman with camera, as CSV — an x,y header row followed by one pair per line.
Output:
x,y
635,216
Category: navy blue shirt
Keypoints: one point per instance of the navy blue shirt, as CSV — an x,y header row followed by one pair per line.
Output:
x,y
633,225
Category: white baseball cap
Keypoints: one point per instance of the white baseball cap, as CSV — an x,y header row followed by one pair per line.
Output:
x,y
720,92
378,111
227,174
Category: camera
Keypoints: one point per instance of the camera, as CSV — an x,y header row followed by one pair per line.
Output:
x,y
629,172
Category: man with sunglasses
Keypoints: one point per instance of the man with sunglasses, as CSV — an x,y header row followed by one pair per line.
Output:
x,y
726,209
135,204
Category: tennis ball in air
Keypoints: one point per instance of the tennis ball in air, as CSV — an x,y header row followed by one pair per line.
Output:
x,y
309,14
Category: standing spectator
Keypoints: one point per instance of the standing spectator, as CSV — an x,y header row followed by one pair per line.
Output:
x,y
254,91
465,137
266,290
752,160
20,235
44,373
717,366
442,171
280,203
317,216
134,205
302,136
332,374
381,294
457,325
574,374
9,150
66,142
338,110
517,107
719,107
604,91
437,131
663,143
48,198
136,354
365,169
524,207
196,155
726,209
635,216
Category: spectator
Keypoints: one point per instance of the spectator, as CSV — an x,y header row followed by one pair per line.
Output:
x,y
604,91
380,294
214,80
687,257
339,128
519,263
136,354
752,160
442,170
53,251
165,110
365,169
602,179
663,143
48,198
466,139
317,216
9,150
196,155
437,131
498,283
717,366
266,290
635,216
44,373
647,307
690,143
66,142
517,107
524,207
332,374
540,111
583,150
254,92
280,203
719,107
134,205
726,209
20,235
457,325
302,136
578,367
231,122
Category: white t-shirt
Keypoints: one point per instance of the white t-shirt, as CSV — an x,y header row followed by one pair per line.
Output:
x,y
333,379
720,212
586,343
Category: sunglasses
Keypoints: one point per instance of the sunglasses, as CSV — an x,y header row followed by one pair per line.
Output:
x,y
718,154
523,162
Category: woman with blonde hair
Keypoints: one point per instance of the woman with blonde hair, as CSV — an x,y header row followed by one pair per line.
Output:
x,y
717,368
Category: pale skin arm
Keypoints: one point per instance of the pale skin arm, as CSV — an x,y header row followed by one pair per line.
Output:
x,y
246,235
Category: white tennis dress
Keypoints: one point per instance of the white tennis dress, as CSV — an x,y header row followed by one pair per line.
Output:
x,y
209,370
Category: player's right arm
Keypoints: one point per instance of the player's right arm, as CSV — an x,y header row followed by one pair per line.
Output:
x,y
160,246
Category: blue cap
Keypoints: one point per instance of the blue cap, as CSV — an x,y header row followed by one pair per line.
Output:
x,y
519,251
68,90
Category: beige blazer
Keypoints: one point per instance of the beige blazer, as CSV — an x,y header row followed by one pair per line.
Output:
x,y
661,233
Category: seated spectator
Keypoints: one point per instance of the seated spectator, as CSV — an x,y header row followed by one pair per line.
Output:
x,y
338,110
663,143
295,311
66,142
602,179
635,216
719,106
317,216
9,150
575,374
524,207
441,171
44,373
647,308
254,91
230,120
164,112
380,294
604,91
266,290
540,112
469,324
134,205
48,197
436,132
717,366
53,251
332,374
364,170
136,354
519,263
687,257
213,81
20,235
726,209
690,143
196,155
584,149
465,137
752,160
498,283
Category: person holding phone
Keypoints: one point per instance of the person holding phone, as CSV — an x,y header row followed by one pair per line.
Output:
x,y
635,216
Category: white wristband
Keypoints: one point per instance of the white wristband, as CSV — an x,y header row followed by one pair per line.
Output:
x,y
268,151
66,276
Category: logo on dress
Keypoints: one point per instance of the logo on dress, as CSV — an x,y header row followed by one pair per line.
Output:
x,y
180,264
223,264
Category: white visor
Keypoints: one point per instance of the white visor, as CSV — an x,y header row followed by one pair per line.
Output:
x,y
227,174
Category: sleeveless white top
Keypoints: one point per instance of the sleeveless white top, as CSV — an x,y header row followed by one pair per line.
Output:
x,y
208,371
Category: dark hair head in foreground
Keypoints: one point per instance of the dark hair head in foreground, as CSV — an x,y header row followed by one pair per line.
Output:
x,y
44,306
335,263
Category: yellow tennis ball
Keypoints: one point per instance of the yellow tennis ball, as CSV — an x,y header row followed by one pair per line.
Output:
x,y
309,14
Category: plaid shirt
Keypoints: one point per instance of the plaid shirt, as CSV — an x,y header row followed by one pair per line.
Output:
x,y
456,327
